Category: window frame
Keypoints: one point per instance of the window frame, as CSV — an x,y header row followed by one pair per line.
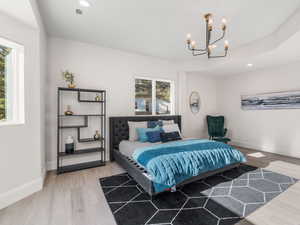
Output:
x,y
172,95
14,85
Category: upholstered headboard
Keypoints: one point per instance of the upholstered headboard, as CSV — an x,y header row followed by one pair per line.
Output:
x,y
119,130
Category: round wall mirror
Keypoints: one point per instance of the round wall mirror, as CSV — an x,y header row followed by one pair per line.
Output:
x,y
195,102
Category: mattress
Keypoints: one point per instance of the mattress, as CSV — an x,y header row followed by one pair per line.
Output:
x,y
128,147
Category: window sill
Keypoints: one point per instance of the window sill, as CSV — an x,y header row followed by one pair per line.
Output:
x,y
11,123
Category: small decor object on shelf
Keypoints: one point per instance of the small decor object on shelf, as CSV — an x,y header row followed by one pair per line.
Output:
x,y
69,78
69,146
68,112
97,135
98,98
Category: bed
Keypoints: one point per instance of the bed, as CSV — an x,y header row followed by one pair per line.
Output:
x,y
134,157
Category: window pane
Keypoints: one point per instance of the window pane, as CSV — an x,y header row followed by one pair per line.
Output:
x,y
4,52
143,97
163,97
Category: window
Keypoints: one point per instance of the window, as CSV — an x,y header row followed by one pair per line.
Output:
x,y
154,97
11,82
4,64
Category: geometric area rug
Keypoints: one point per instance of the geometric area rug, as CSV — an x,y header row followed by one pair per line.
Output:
x,y
222,199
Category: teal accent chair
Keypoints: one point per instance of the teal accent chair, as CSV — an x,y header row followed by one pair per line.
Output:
x,y
216,128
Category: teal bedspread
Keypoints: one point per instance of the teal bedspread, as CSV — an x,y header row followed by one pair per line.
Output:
x,y
171,163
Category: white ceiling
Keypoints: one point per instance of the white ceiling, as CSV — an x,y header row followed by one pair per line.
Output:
x,y
158,27
20,10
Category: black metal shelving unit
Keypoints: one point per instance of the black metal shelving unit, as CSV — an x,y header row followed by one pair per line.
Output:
x,y
101,143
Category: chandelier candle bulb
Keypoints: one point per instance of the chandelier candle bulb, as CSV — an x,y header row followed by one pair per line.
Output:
x,y
193,43
226,45
224,21
210,23
207,16
188,38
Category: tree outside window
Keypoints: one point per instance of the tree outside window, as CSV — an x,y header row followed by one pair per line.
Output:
x,y
153,97
4,53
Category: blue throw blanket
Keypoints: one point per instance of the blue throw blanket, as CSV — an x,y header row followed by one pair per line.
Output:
x,y
171,163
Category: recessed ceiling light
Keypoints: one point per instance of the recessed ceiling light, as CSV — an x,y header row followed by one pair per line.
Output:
x,y
84,3
249,64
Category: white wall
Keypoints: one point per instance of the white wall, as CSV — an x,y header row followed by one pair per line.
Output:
x,y
195,125
42,65
99,68
21,170
276,131
113,70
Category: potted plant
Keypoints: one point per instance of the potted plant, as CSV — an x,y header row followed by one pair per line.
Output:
x,y
69,78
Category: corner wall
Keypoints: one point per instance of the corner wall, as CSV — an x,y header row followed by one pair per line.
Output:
x,y
276,131
21,170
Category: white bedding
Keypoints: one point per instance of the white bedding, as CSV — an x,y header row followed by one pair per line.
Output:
x,y
128,147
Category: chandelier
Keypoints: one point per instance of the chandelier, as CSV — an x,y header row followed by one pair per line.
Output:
x,y
210,45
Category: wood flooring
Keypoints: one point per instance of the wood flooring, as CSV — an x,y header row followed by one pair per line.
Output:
x,y
77,199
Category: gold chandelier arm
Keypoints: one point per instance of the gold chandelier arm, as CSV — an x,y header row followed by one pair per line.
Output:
x,y
196,49
196,54
218,56
219,39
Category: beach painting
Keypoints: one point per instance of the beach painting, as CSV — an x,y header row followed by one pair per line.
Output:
x,y
276,100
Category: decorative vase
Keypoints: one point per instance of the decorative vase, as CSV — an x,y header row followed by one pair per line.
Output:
x,y
68,112
97,98
71,85
69,146
97,135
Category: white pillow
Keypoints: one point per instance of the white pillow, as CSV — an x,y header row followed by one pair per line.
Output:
x,y
171,128
167,122
133,136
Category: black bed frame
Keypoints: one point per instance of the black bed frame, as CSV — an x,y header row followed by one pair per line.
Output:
x,y
119,131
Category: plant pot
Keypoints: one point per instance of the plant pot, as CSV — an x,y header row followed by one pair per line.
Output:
x,y
71,85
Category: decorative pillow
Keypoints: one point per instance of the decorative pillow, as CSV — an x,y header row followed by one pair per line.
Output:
x,y
171,136
171,128
133,136
167,122
153,123
142,136
154,136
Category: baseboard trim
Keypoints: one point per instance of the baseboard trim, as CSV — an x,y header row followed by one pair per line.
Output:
x,y
21,192
51,165
280,151
245,145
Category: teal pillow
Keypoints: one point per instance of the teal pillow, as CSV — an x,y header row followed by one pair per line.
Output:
x,y
142,133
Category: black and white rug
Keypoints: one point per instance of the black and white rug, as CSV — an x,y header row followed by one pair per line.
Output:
x,y
223,199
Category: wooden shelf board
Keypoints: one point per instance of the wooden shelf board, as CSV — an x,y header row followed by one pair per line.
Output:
x,y
91,101
80,166
80,90
69,127
83,140
81,115
82,151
